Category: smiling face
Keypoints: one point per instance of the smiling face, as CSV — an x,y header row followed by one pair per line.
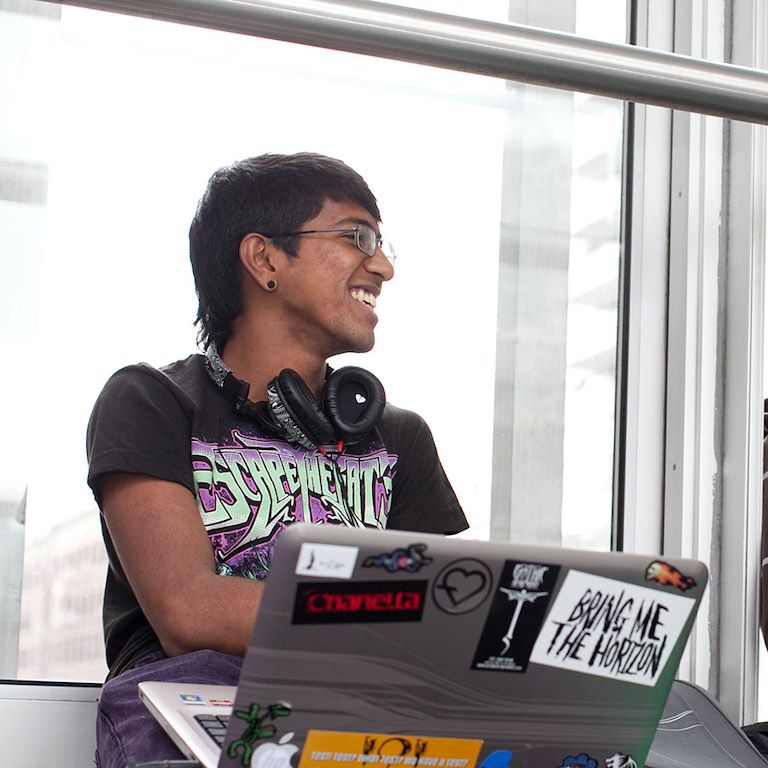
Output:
x,y
328,291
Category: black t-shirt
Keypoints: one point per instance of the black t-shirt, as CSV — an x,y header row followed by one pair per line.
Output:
x,y
176,424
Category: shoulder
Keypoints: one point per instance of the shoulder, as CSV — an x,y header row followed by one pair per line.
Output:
x,y
143,419
422,496
403,427
181,380
141,397
401,418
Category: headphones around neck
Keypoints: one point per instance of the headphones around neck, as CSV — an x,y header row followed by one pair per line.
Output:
x,y
349,408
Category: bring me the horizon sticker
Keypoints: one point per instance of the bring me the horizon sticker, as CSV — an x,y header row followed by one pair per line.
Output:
x,y
609,628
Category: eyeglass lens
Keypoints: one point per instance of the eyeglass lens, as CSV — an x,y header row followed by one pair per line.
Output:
x,y
368,241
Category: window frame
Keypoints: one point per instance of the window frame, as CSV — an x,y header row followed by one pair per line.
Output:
x,y
664,399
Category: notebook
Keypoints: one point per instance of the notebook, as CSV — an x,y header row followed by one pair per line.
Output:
x,y
391,649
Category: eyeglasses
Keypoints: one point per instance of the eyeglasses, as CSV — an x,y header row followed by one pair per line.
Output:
x,y
366,239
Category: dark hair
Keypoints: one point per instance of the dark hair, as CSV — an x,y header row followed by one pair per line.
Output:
x,y
266,194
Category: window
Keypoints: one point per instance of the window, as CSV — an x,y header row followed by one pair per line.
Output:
x,y
500,327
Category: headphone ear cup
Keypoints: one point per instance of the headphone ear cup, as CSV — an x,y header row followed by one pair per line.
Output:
x,y
297,413
354,400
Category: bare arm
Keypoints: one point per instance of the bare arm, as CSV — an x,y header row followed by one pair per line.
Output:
x,y
166,554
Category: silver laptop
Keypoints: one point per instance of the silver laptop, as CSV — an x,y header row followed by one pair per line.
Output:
x,y
393,649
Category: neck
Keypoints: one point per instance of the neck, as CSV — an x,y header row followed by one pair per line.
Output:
x,y
259,364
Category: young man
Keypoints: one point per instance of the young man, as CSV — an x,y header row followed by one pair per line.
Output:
x,y
196,477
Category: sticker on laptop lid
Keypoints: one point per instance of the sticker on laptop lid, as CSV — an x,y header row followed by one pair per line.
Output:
x,y
358,601
329,561
410,559
462,586
609,628
259,724
338,749
665,574
515,617
620,760
275,755
582,760
500,758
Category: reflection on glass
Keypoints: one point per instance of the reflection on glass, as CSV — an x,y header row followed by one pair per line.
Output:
x,y
109,129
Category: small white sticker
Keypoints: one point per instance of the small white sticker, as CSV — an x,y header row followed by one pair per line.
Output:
x,y
326,560
609,628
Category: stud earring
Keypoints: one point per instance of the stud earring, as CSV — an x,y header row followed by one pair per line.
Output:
x,y
271,285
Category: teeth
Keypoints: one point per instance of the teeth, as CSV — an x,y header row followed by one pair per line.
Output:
x,y
363,297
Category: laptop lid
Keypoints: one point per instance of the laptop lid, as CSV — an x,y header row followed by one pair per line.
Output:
x,y
405,649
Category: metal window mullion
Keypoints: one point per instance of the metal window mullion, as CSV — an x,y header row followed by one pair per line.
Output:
x,y
743,376
693,453
742,447
644,318
694,392
671,501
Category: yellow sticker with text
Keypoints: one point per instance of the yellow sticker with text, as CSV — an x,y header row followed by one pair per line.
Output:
x,y
335,749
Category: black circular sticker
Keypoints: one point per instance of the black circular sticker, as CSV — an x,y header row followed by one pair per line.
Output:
x,y
462,586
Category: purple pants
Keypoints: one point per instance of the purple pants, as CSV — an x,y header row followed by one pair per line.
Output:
x,y
125,728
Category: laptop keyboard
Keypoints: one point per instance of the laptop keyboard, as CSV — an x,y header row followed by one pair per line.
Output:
x,y
214,725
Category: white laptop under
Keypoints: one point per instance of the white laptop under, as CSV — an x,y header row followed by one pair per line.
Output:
x,y
195,716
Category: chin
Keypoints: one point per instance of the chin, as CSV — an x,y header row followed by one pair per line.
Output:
x,y
360,345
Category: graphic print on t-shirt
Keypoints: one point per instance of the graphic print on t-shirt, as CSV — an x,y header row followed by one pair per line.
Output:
x,y
247,492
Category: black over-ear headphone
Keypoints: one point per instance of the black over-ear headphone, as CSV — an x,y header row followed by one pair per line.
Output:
x,y
349,408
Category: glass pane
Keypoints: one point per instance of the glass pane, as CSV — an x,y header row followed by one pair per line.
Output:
x,y
594,19
110,127
762,662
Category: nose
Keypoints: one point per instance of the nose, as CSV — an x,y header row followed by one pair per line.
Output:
x,y
380,265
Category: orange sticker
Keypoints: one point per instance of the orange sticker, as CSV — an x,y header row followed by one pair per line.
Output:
x,y
335,749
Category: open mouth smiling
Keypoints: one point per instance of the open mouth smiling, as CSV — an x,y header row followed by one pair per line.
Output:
x,y
364,297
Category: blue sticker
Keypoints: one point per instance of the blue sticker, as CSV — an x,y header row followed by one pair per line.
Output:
x,y
190,698
582,760
499,759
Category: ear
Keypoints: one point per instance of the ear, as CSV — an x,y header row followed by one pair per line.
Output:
x,y
256,256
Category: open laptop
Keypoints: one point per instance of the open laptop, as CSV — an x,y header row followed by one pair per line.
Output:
x,y
390,649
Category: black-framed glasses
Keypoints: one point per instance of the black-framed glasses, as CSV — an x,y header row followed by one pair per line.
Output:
x,y
366,239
